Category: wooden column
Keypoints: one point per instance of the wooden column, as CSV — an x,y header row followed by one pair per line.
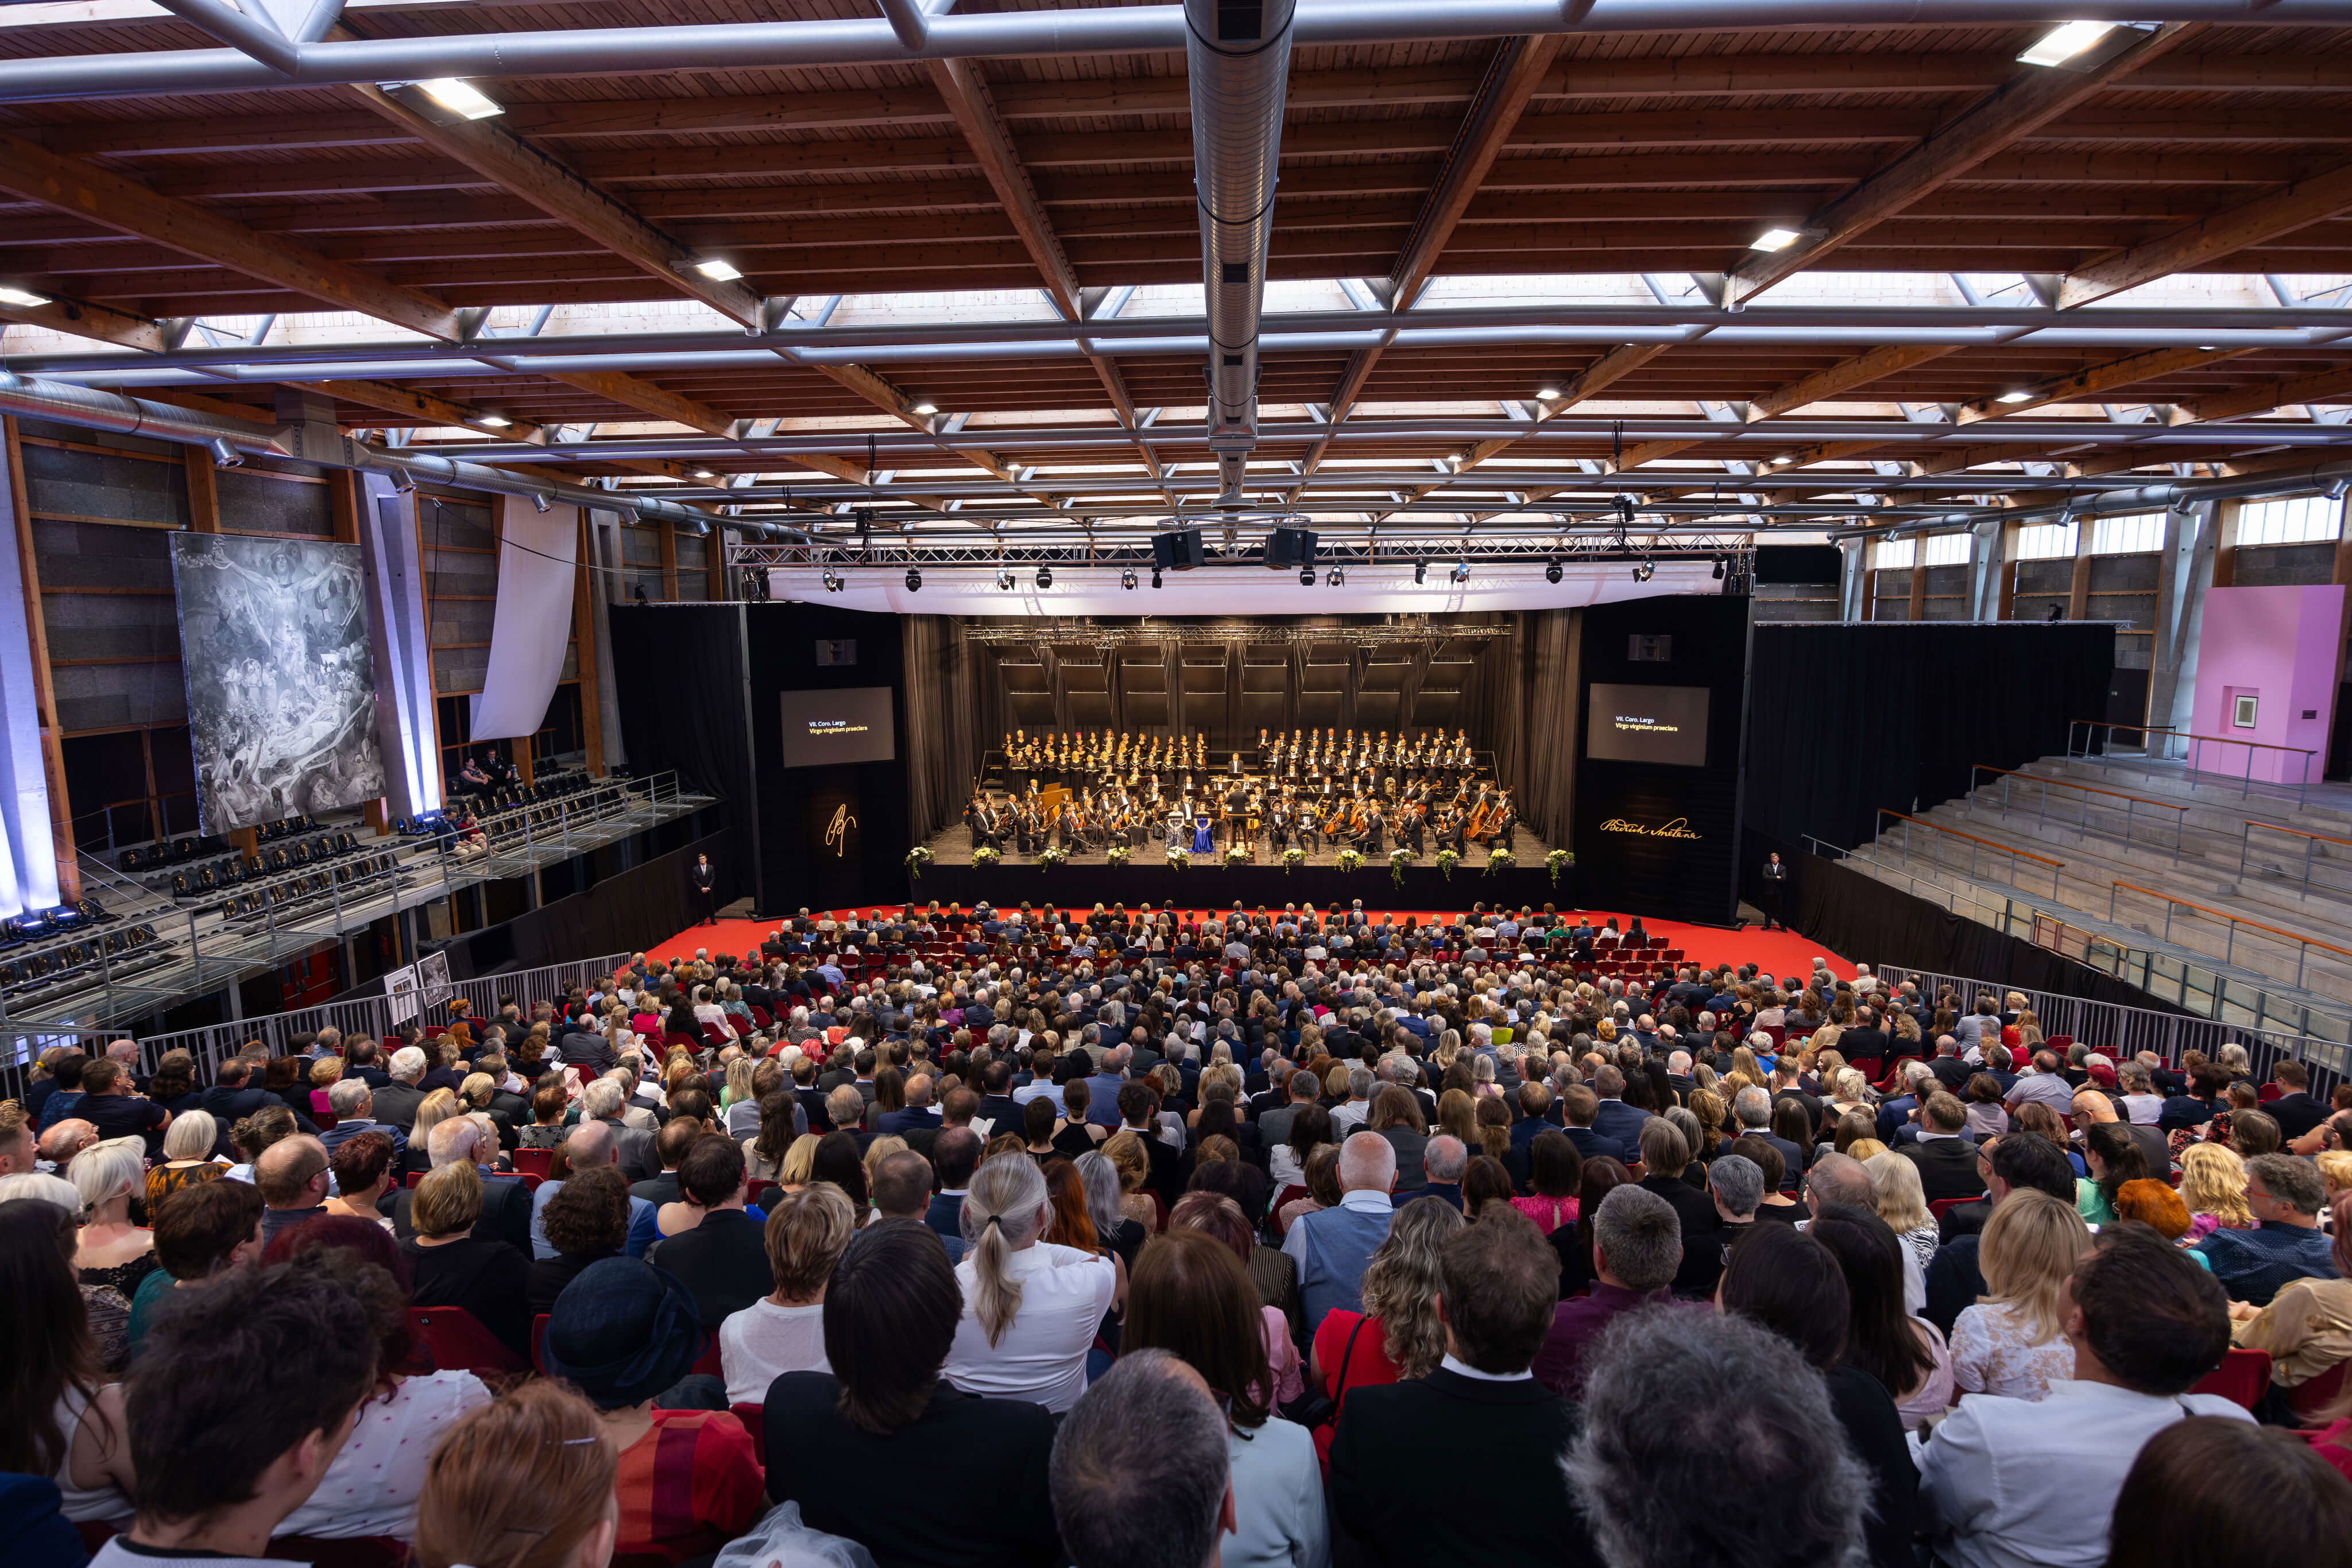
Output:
x,y
204,490
1918,610
583,641
2225,546
2006,604
2078,591
45,700
667,534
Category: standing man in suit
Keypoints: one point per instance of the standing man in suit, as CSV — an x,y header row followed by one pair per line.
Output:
x,y
1499,1283
705,888
1945,1155
1776,887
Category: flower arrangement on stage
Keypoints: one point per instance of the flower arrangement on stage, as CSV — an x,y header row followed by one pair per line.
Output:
x,y
1291,858
1500,859
1399,859
1051,856
1445,859
917,859
1349,860
1556,859
1118,853
984,857
1236,855
1179,859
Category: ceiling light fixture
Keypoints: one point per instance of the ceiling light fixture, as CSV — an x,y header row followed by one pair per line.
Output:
x,y
2014,397
1551,569
1338,578
2064,42
927,408
1155,577
1461,571
1004,579
717,270
914,580
833,583
492,421
704,473
1044,577
460,98
1775,239
1646,570
1421,571
1306,577
1547,394
21,297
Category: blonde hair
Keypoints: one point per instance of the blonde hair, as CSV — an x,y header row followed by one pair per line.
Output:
x,y
1004,1211
2030,1246
2213,1181
100,1174
799,1161
449,1200
1402,1282
806,1234
1902,1202
879,1150
325,1070
1866,1150
191,1136
432,1111
1457,1116
517,1483
1125,1150
2335,1170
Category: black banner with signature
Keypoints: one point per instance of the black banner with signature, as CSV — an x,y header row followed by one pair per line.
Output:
x,y
1657,836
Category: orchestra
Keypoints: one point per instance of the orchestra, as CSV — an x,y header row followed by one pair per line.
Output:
x,y
1328,759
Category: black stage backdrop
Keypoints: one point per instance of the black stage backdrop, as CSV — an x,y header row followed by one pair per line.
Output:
x,y
625,913
1846,719
1652,838
680,670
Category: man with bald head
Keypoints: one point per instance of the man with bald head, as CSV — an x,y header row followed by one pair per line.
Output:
x,y
1332,1247
62,1142
592,1143
292,1176
507,1201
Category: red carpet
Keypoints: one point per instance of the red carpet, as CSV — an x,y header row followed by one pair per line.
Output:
x,y
1784,953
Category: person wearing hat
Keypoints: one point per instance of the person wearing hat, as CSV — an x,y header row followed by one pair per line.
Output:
x,y
626,1334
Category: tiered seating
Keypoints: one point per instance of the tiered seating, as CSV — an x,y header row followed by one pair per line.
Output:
x,y
289,893
83,961
274,860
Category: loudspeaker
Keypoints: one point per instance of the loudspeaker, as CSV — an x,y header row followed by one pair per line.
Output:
x,y
1177,552
1290,547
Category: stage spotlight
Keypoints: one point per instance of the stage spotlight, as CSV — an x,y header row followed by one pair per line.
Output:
x,y
1336,579
1127,579
1718,563
1004,579
1461,571
914,580
1646,570
1551,569
1624,505
1044,577
1155,577
1421,571
1306,577
833,583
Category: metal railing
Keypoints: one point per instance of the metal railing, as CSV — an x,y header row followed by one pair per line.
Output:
x,y
2121,1032
1978,849
2303,945
2311,843
2154,750
2082,819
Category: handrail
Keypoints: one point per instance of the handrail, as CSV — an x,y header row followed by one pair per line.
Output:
x,y
2066,784
2298,832
1955,833
2237,919
2192,735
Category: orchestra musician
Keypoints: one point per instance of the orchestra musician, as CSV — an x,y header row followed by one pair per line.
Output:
x,y
981,819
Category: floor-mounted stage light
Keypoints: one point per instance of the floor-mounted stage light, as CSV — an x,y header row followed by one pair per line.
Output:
x,y
1127,580
1044,577
1551,569
914,580
1306,577
1004,579
1421,571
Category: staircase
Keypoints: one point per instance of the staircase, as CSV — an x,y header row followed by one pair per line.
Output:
x,y
2233,901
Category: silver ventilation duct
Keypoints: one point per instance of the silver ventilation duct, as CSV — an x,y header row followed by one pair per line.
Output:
x,y
1237,58
88,407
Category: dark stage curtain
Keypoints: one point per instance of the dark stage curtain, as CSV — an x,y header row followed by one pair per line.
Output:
x,y
1521,700
621,914
1845,718
680,672
944,714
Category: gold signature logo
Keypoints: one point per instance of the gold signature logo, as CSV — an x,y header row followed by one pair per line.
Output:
x,y
837,832
1677,829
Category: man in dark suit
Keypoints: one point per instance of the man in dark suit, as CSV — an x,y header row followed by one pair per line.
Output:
x,y
955,1155
706,889
670,1145
1581,1104
1499,1284
396,1101
1945,1155
723,1259
2294,1109
1614,1119
354,1111
1950,1070
506,1200
1443,1162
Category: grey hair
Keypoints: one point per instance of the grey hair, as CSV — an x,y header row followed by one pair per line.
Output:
x,y
1360,1084
1739,1183
1688,1439
1003,1211
1102,1193
1138,1473
1444,1158
1641,1236
1841,1178
346,1094
1753,1107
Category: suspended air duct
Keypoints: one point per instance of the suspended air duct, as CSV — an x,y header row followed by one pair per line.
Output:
x,y
1237,54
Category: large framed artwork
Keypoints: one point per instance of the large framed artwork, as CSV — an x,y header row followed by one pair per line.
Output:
x,y
281,688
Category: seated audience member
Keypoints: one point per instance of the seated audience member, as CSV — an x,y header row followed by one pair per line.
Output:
x,y
1192,1298
200,1233
2308,1327
1904,1353
229,1433
1637,1248
2214,1185
1501,1283
2020,1162
586,1222
1032,1307
59,1416
187,1157
452,1267
364,1170
109,1250
525,1481
2284,1194
2007,1482
1944,1155
722,1258
1697,1450
624,1334
806,1233
371,1488
1140,1476
2013,1341
1399,1334
506,1200
1787,1282
293,1177
1219,1216
1554,1168
2207,1491
892,1312
1332,1246
1665,1155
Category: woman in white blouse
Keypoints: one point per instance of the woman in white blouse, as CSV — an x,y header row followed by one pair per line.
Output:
x,y
2013,1342
1031,1308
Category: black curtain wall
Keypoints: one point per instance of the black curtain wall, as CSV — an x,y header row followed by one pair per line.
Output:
x,y
1521,699
1845,718
679,669
945,709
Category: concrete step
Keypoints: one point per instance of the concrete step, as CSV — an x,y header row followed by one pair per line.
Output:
x,y
2325,809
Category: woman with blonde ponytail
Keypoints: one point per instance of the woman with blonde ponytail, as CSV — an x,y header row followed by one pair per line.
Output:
x,y
1030,1307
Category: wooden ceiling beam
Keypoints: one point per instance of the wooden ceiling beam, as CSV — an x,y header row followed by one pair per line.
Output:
x,y
84,318
2016,110
1832,381
2212,239
2094,379
2333,386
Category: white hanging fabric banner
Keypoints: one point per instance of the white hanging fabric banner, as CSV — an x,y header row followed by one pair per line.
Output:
x,y
538,556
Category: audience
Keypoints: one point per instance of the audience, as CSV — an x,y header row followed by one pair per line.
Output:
x,y
526,1481
2207,1491
201,1232
1637,1251
1904,1353
2284,1194
721,1258
1031,1306
1401,1286
58,1416
454,1267
1140,1476
806,1233
586,1222
1333,1246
